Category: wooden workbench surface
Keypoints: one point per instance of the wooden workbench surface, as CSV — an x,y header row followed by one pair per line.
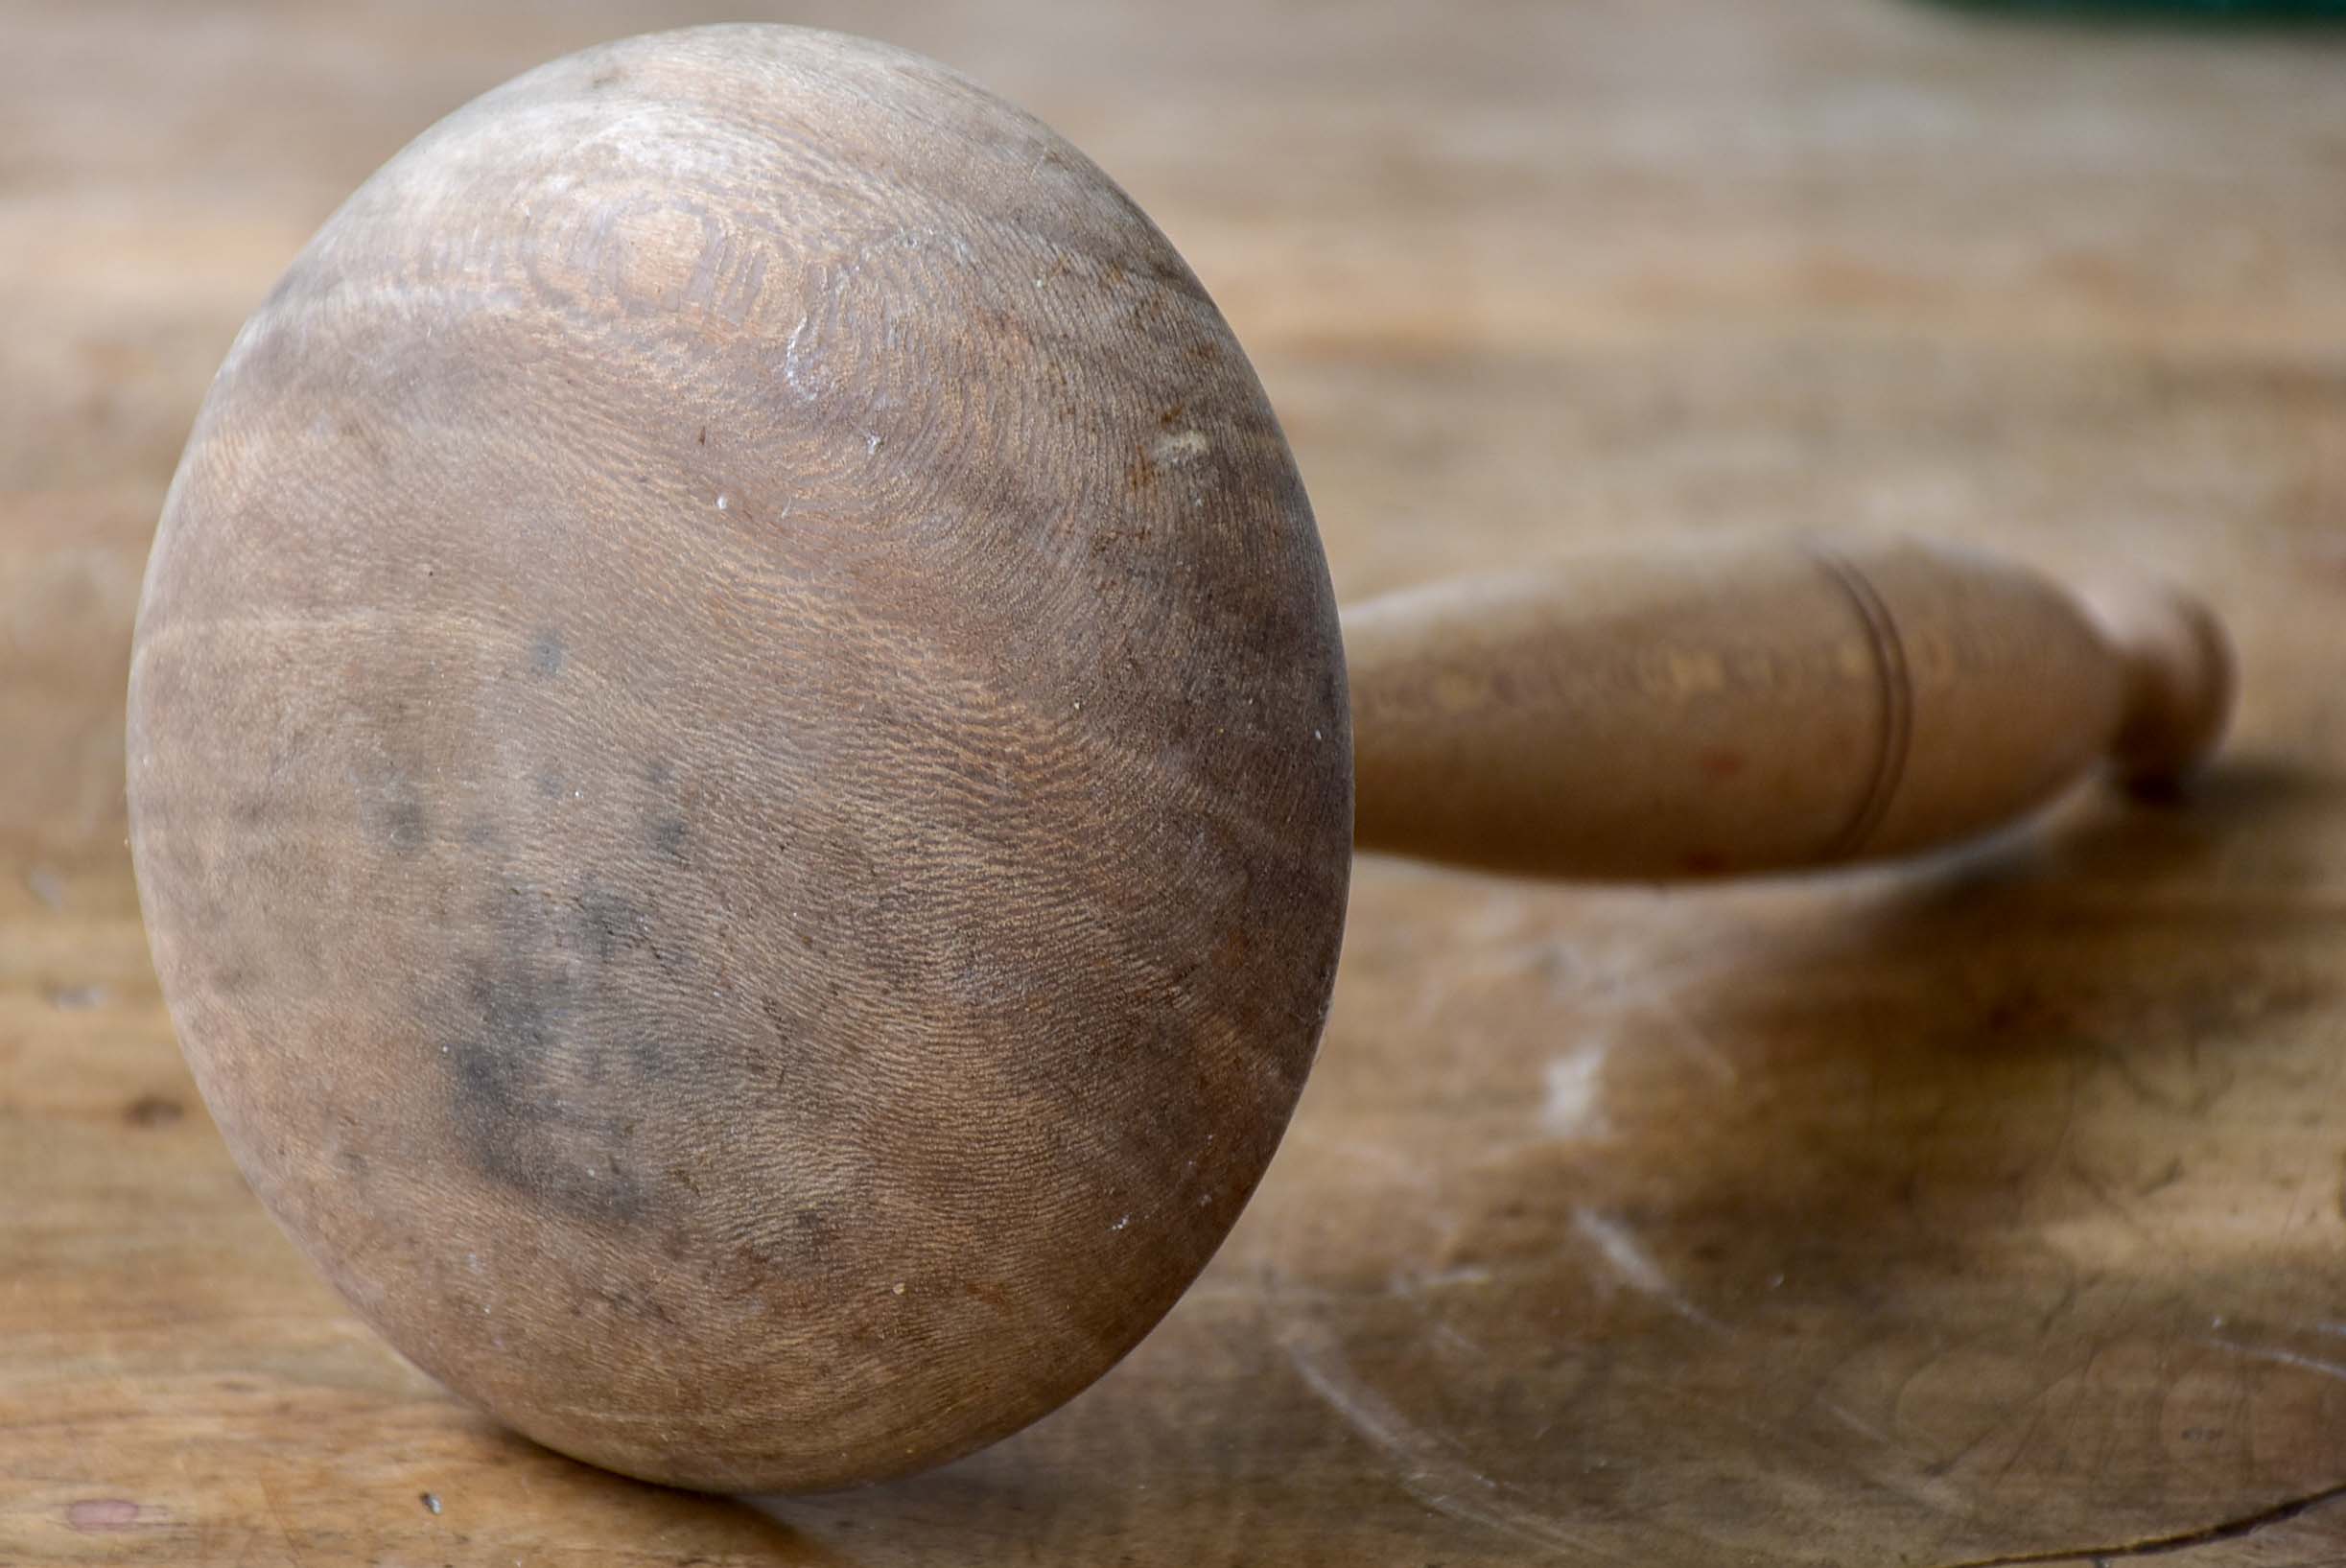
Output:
x,y
1991,1211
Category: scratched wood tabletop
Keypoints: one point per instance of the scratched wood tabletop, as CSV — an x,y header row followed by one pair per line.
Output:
x,y
1992,1210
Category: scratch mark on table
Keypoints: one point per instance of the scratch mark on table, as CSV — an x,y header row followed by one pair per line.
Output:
x,y
1855,1422
1636,1268
2229,1530
1429,1465
1412,1287
2285,1358
276,1516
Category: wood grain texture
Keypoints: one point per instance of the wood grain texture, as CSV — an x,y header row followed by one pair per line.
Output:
x,y
1731,709
1983,1211
738,761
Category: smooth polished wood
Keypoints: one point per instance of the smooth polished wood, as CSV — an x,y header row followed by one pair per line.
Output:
x,y
1774,704
1921,1217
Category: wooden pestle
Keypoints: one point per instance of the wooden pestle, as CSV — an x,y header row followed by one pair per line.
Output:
x,y
739,762
1760,707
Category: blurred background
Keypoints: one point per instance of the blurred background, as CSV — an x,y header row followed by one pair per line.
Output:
x,y
1968,1215
1516,271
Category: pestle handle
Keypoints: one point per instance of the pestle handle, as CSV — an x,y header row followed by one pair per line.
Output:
x,y
1760,707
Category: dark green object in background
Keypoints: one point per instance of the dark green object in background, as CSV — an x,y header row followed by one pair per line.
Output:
x,y
2181,10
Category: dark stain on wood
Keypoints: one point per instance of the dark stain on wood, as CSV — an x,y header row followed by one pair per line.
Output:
x,y
154,1110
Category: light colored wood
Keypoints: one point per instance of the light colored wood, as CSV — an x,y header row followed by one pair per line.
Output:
x,y
1774,705
1924,1216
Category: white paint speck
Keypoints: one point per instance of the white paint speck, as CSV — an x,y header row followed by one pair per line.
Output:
x,y
1178,448
790,361
1122,1222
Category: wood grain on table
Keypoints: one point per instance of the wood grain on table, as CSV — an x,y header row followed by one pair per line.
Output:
x,y
1988,1212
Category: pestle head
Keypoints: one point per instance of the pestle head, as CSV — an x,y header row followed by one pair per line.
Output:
x,y
738,761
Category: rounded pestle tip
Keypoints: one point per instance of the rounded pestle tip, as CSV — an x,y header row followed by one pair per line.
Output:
x,y
2180,676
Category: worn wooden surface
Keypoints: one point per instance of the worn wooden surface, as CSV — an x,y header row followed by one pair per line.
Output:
x,y
771,1048
1990,1211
